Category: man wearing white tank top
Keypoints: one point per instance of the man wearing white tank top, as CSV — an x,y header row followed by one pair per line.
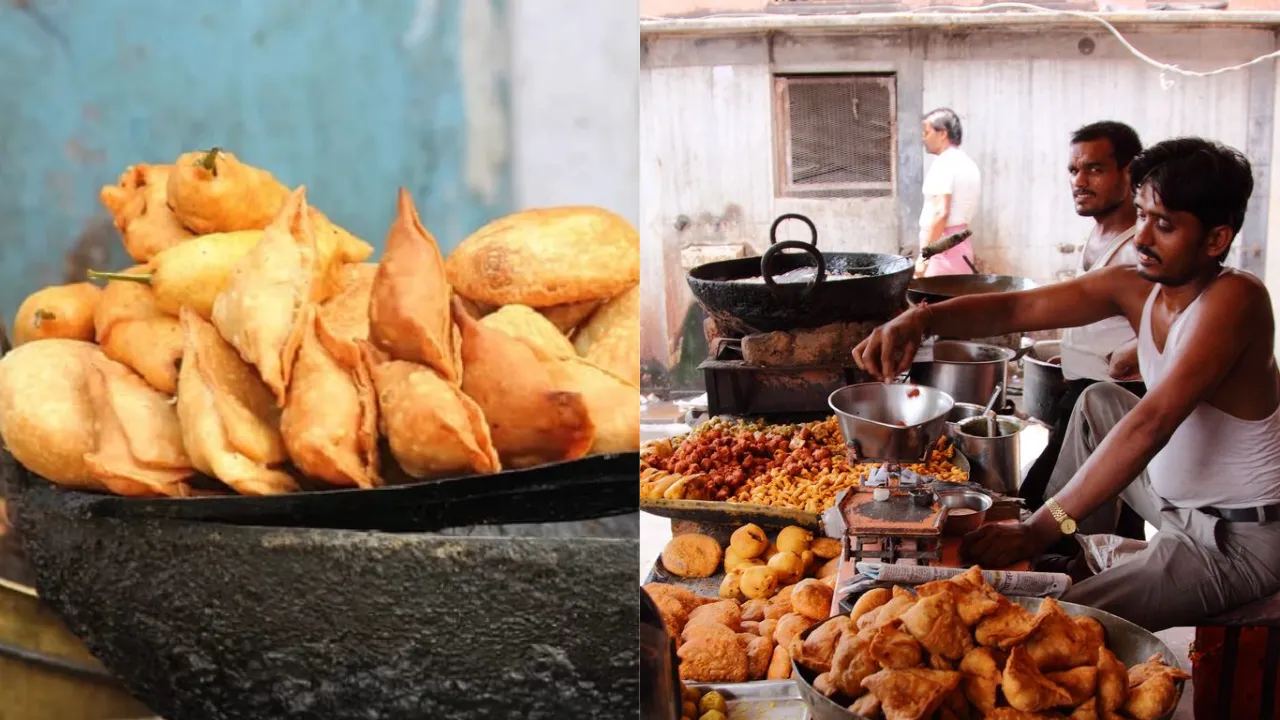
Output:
x,y
1105,351
1199,455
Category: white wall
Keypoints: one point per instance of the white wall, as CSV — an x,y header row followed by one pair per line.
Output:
x,y
575,109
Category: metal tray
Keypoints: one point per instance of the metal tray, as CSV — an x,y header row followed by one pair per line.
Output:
x,y
760,700
711,511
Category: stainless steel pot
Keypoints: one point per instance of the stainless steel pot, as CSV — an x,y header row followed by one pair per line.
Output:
x,y
890,422
1042,381
967,371
994,462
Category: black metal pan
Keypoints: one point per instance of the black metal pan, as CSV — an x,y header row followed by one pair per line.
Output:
x,y
944,287
750,295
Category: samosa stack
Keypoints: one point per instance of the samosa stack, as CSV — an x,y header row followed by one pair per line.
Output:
x,y
256,349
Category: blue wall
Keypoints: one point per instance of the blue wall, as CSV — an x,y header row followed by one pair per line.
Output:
x,y
332,94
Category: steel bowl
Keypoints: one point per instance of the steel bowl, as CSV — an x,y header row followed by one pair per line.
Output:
x,y
961,412
968,371
1131,644
973,500
890,422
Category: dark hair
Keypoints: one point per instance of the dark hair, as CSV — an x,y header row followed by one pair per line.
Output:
x,y
1207,179
1125,144
946,120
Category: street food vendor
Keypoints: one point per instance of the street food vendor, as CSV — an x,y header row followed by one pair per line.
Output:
x,y
1199,455
1107,350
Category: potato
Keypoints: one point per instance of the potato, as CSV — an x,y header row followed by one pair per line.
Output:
x,y
810,562
749,541
794,539
825,548
769,552
730,588
788,566
713,715
759,581
58,311
732,561
713,701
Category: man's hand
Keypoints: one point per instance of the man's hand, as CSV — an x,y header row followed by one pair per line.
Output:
x,y
1123,362
888,351
999,545
921,266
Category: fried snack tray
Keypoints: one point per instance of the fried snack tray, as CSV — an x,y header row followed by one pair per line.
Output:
x,y
760,700
711,511
593,487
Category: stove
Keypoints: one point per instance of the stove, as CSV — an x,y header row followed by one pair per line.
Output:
x,y
737,387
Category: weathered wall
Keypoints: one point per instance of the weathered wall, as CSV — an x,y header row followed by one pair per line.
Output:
x,y
706,137
352,101
686,8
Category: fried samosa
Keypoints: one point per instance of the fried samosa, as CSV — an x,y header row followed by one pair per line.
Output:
x,y
345,316
935,622
618,351
433,428
139,451
139,207
410,313
974,598
46,415
131,329
622,310
1026,688
912,694
982,675
531,421
213,192
893,648
58,311
526,324
1010,623
852,663
259,313
569,316
230,422
548,256
330,421
1058,642
614,405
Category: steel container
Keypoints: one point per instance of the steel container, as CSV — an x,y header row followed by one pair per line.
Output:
x,y
1043,382
973,500
890,422
994,462
967,371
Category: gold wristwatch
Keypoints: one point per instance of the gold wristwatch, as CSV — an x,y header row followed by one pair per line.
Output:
x,y
1065,523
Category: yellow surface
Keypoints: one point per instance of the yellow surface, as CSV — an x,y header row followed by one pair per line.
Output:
x,y
33,692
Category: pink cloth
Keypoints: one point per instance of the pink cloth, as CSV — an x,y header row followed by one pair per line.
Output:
x,y
951,262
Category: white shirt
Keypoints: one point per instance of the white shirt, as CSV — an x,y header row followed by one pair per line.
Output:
x,y
1086,351
953,173
1213,458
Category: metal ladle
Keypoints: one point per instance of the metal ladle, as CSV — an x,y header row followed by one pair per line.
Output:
x,y
993,428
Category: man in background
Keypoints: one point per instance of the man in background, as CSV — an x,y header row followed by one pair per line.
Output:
x,y
950,196
1107,350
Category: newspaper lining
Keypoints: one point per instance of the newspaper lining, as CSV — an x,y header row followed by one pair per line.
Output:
x,y
1026,584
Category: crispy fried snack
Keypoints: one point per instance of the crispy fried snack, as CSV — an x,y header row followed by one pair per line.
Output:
x,y
1080,683
528,325
1010,623
345,315
139,451
1058,642
410,314
935,622
911,694
871,600
622,311
612,403
1152,689
818,649
131,329
759,656
46,416
330,419
139,206
713,658
549,256
852,663
981,670
433,428
692,555
230,424
867,706
58,311
974,597
779,664
1008,713
1113,683
568,316
893,648
213,192
618,351
531,420
901,601
259,312
1088,710
812,599
1028,690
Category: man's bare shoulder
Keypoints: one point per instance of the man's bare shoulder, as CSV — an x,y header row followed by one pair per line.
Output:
x,y
1123,284
1239,291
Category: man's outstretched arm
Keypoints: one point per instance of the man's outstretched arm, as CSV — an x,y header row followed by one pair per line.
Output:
x,y
1213,341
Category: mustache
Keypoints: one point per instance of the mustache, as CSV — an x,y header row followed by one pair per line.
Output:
x,y
1082,194
1145,252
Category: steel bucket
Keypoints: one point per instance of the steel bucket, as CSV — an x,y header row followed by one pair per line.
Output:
x,y
890,422
967,371
994,462
1042,381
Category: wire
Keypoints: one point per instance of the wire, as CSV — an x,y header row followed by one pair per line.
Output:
x,y
1163,67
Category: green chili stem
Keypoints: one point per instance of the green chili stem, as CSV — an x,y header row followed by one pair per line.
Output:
x,y
96,275
209,161
40,316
